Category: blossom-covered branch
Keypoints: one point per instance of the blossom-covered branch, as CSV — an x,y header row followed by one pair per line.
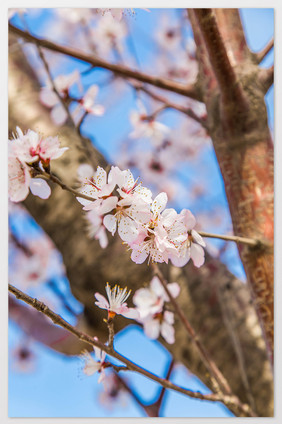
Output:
x,y
58,320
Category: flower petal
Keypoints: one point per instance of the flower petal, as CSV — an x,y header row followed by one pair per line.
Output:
x,y
101,301
159,203
110,223
152,328
197,255
39,188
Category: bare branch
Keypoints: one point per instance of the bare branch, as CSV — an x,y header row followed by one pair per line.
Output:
x,y
170,105
236,239
262,54
188,91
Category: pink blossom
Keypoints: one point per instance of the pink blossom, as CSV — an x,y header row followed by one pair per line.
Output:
x,y
50,99
32,147
96,229
192,247
108,34
160,323
146,126
88,104
20,182
94,184
116,302
151,300
91,366
161,236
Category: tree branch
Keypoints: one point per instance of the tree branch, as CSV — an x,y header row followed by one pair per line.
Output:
x,y
210,364
170,105
236,239
262,54
184,90
58,320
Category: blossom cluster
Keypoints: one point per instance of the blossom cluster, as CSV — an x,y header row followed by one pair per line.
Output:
x,y
150,229
58,102
29,154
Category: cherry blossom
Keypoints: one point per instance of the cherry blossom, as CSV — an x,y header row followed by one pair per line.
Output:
x,y
108,34
23,357
192,247
116,302
50,99
161,236
91,366
160,323
114,392
146,126
33,147
96,229
97,186
168,35
87,103
151,300
20,181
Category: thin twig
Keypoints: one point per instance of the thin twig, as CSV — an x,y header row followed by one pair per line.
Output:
x,y
228,320
84,141
243,409
185,90
170,105
110,324
52,177
210,364
156,406
236,239
262,54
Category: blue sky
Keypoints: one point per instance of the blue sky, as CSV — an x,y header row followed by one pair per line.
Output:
x,y
57,386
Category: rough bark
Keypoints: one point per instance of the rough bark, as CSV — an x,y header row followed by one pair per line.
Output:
x,y
207,293
237,120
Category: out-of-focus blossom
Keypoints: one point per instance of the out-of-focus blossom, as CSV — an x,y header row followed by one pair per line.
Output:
x,y
167,35
116,302
88,103
50,99
109,34
151,300
23,358
146,126
96,228
91,366
160,323
192,247
114,393
33,261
